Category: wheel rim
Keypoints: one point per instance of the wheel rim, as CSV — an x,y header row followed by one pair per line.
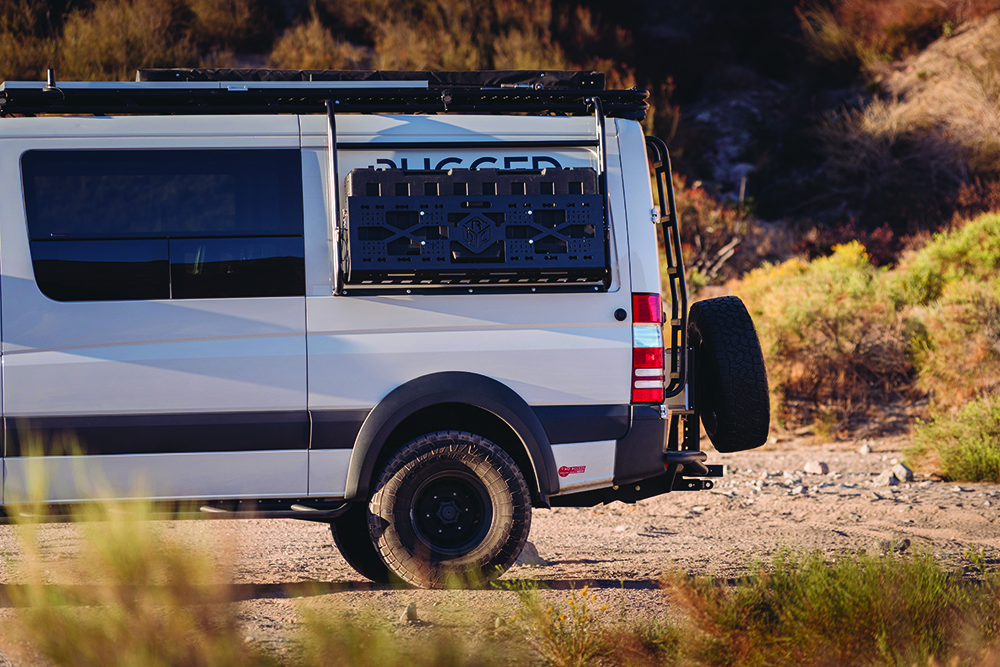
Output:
x,y
451,513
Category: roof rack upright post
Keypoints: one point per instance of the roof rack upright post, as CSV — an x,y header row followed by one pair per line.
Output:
x,y
333,175
602,154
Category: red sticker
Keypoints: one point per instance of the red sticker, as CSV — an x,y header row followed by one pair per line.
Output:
x,y
571,470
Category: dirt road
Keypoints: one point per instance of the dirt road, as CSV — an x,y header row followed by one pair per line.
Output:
x,y
765,502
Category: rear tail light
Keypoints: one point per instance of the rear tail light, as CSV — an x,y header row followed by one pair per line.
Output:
x,y
647,348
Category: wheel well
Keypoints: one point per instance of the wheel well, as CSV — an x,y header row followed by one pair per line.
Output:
x,y
460,417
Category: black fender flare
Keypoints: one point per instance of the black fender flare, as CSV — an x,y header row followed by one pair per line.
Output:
x,y
450,387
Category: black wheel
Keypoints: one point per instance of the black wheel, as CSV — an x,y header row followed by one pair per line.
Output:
x,y
732,382
450,508
350,534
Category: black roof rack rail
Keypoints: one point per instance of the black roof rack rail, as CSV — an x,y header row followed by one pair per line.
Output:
x,y
262,91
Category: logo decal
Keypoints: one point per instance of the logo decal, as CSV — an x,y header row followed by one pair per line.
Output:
x,y
477,232
571,470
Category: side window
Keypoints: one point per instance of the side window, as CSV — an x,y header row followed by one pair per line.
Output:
x,y
159,224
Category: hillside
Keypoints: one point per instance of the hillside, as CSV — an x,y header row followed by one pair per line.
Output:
x,y
815,143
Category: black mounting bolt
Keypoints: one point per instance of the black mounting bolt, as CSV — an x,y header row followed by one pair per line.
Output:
x,y
620,314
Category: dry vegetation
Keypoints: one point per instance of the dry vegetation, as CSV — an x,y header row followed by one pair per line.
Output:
x,y
915,149
137,594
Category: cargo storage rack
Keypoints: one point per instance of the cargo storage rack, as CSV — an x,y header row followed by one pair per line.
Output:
x,y
569,259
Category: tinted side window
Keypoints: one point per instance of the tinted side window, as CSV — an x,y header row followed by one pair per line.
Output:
x,y
90,214
166,193
207,268
101,270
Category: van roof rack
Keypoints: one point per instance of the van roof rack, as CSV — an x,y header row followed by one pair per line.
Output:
x,y
269,91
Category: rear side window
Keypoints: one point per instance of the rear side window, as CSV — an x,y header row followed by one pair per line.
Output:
x,y
182,224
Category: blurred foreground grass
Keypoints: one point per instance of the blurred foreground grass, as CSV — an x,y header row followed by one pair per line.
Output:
x,y
151,599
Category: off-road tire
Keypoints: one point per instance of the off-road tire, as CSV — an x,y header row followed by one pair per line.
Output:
x,y
731,390
351,535
450,509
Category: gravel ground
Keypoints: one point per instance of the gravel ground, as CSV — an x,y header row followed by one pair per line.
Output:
x,y
765,502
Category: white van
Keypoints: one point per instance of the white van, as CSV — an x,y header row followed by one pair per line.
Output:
x,y
411,305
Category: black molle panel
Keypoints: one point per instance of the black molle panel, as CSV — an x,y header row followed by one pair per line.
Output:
x,y
483,226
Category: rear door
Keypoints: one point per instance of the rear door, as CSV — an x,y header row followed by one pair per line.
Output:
x,y
154,307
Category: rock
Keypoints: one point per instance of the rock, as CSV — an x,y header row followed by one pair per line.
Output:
x,y
902,473
800,491
409,615
817,468
529,557
884,547
874,496
699,508
864,449
886,478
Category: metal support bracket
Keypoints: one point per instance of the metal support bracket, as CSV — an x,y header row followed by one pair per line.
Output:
x,y
602,151
334,178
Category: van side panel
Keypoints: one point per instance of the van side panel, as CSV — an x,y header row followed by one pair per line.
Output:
x,y
362,347
112,370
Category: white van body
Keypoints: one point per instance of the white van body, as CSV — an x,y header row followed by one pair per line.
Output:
x,y
181,318
153,359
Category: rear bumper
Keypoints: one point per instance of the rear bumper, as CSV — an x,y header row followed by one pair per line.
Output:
x,y
639,455
648,463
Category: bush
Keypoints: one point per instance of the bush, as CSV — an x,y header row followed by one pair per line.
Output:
x,y
117,37
964,446
970,251
311,46
833,341
889,163
26,50
804,610
245,25
956,349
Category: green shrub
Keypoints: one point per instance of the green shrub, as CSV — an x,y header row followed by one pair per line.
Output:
x,y
866,610
962,446
970,251
956,350
832,339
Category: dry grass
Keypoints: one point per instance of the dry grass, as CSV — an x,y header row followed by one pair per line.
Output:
x,y
890,162
135,594
116,37
873,31
912,154
804,610
310,45
25,47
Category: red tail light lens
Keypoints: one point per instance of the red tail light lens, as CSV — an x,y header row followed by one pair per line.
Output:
x,y
647,309
647,349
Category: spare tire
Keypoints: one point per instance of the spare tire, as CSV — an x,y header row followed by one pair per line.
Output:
x,y
731,382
